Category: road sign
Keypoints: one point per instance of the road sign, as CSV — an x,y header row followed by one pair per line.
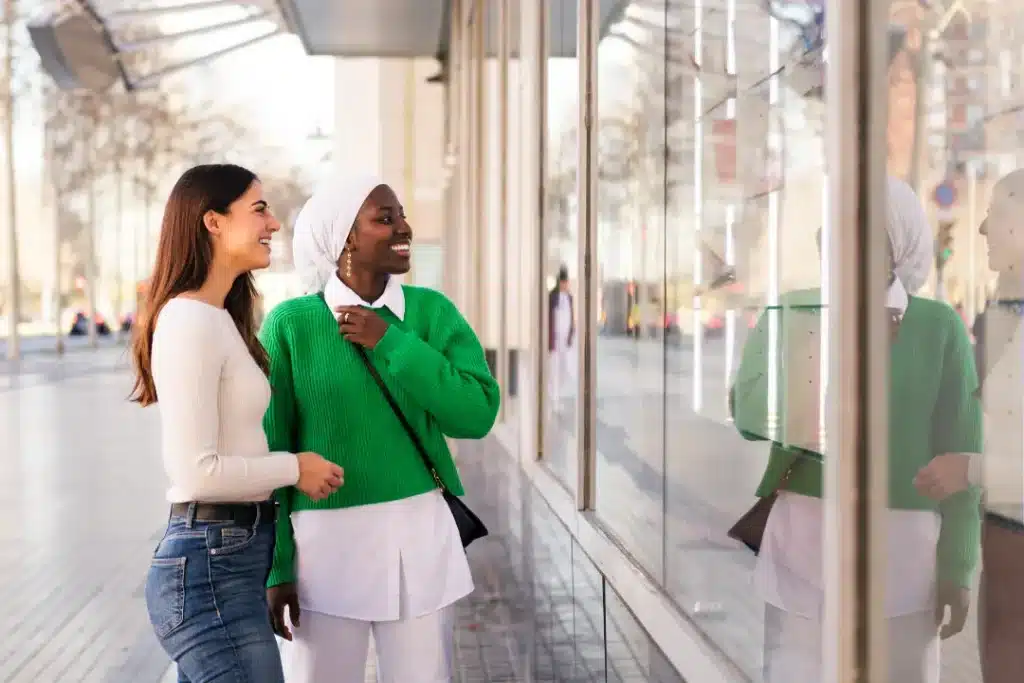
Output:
x,y
945,194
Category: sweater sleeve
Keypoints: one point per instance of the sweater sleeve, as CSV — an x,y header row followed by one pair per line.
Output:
x,y
188,362
448,377
958,429
748,397
280,424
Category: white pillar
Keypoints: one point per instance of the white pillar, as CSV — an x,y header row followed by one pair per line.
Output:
x,y
13,274
358,116
90,231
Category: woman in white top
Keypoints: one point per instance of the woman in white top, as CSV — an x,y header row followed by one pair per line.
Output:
x,y
197,356
1000,343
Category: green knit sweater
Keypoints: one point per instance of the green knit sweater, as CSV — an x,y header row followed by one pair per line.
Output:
x,y
324,400
933,409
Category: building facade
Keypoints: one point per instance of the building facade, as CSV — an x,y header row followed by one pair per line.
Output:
x,y
690,166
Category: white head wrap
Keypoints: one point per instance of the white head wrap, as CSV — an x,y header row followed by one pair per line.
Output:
x,y
322,228
910,234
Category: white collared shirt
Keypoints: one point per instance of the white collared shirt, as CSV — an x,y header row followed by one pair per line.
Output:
x,y
385,561
337,293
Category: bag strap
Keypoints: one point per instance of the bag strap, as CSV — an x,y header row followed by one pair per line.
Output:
x,y
401,417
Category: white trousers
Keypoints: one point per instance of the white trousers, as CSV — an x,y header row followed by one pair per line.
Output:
x,y
793,648
328,649
561,373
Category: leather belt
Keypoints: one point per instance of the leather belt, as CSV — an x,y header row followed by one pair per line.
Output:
x,y
243,514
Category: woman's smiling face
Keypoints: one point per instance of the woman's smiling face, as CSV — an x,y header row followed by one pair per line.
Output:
x,y
381,236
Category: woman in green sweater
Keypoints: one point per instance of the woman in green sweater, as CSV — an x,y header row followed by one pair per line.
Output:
x,y
932,547
383,553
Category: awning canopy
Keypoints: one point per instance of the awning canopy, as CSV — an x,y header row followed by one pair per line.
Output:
x,y
411,28
94,44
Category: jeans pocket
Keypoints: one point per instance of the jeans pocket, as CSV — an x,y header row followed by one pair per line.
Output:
x,y
227,539
165,594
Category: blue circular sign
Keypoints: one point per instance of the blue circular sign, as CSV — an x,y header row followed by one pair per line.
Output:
x,y
945,195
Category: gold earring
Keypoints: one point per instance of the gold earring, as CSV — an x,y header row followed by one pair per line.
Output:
x,y
348,265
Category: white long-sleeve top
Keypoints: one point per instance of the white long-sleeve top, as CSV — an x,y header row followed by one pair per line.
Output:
x,y
212,397
1001,469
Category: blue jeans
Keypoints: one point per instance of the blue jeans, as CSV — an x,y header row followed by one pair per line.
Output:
x,y
206,597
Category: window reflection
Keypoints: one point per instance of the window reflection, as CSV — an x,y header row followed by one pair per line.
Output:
x,y
998,338
559,404
713,248
756,196
954,132
638,315
710,213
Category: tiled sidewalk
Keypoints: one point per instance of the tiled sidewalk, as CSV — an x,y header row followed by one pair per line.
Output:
x,y
82,492
83,495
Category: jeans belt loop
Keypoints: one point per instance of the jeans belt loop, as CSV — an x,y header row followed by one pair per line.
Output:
x,y
190,515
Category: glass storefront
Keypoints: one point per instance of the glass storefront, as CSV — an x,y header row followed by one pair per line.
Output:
x,y
758,249
560,228
631,259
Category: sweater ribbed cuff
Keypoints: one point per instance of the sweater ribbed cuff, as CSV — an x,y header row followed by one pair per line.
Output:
x,y
957,574
393,340
280,574
960,538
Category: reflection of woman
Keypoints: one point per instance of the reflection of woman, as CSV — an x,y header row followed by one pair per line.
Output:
x,y
382,555
1001,612
933,410
1000,334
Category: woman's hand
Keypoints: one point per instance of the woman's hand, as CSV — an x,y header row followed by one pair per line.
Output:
x,y
945,475
958,600
361,325
278,598
318,477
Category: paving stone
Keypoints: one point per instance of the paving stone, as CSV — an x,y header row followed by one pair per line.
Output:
x,y
82,490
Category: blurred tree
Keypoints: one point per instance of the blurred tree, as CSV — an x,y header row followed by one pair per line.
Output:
x,y
116,146
132,141
285,193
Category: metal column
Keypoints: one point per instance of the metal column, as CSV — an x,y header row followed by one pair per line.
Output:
x,y
588,31
856,486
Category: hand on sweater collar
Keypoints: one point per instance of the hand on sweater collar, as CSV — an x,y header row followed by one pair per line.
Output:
x,y
337,293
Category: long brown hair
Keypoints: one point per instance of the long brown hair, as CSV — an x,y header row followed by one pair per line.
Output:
x,y
183,259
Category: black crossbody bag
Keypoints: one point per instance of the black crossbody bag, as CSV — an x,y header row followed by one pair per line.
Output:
x,y
470,526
